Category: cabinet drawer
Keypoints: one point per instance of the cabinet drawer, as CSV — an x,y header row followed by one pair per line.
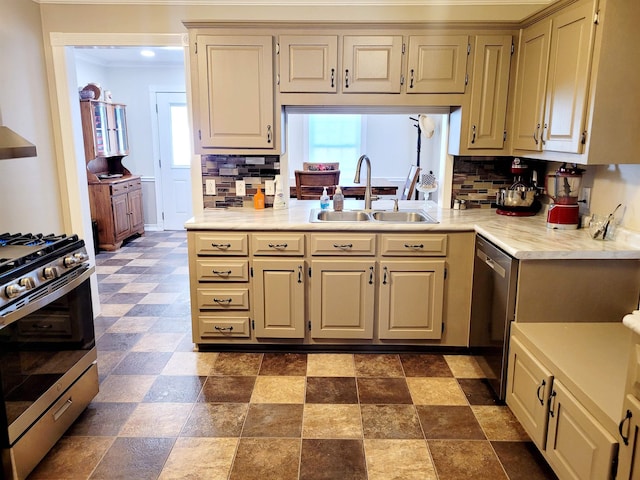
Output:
x,y
277,244
117,188
332,244
222,270
224,326
414,245
223,244
223,299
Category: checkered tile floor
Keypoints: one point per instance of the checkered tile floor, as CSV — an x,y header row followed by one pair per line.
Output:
x,y
165,411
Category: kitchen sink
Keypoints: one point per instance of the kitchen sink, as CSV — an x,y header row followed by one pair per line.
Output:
x,y
344,216
402,217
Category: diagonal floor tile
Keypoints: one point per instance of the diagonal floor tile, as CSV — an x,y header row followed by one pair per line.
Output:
x,y
398,459
460,459
215,420
191,458
323,459
266,458
390,421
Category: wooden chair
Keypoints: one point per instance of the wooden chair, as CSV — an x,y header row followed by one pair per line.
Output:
x,y
309,184
320,166
410,183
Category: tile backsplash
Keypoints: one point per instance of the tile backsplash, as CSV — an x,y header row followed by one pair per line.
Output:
x,y
226,169
476,180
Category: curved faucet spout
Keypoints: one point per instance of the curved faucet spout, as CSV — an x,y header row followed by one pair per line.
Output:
x,y
368,198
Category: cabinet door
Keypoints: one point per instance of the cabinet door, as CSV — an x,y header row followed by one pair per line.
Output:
x,y
342,298
528,388
629,456
235,91
120,211
437,64
308,63
577,445
136,216
531,84
568,81
372,64
278,289
411,298
102,130
489,89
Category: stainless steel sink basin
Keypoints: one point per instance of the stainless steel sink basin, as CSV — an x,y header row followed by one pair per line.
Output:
x,y
402,216
344,216
412,216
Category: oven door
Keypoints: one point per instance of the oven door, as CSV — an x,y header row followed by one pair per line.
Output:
x,y
45,347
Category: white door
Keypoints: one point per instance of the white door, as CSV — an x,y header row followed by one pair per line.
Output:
x,y
175,158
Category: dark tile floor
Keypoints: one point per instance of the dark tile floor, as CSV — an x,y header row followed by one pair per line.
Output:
x,y
166,411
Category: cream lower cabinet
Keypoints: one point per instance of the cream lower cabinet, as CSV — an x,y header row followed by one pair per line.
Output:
x,y
574,443
629,457
342,298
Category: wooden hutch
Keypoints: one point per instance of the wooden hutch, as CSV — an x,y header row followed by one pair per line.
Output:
x,y
115,195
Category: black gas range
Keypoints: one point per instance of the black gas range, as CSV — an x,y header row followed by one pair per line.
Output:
x,y
48,372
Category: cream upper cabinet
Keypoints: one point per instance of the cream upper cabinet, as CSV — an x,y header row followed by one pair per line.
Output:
x,y
553,80
531,83
233,92
308,63
278,290
437,63
371,64
411,298
574,100
489,89
572,34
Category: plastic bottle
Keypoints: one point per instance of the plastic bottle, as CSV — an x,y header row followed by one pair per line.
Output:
x,y
324,199
258,199
338,200
279,201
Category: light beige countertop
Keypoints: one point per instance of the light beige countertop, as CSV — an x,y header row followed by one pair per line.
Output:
x,y
522,237
588,358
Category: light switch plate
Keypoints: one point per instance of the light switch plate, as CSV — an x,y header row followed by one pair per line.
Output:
x,y
241,190
269,187
210,186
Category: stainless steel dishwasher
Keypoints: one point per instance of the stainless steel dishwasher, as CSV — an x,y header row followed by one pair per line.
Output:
x,y
492,310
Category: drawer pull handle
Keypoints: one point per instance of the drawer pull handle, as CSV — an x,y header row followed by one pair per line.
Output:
x,y
65,406
370,275
299,273
346,78
384,276
416,246
541,400
343,246
411,78
224,329
222,273
223,300
333,74
278,246
621,426
221,246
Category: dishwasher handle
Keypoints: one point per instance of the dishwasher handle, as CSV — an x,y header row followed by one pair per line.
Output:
x,y
495,266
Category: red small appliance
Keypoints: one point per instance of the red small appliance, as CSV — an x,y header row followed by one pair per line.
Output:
x,y
563,187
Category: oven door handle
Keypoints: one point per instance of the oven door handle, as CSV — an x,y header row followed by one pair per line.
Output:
x,y
31,307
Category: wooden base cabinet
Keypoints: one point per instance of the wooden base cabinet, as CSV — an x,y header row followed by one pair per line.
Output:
x,y
117,207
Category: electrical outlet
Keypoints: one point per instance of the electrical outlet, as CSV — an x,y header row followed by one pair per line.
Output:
x,y
210,186
269,187
241,189
586,197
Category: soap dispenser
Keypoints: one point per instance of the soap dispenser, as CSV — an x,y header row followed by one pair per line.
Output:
x,y
258,200
324,199
338,200
279,201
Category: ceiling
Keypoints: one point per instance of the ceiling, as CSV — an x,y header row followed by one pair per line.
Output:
x,y
131,56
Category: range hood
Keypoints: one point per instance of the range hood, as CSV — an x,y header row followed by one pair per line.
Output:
x,y
13,145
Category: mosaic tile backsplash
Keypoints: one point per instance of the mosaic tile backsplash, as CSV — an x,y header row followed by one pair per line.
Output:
x,y
226,169
476,180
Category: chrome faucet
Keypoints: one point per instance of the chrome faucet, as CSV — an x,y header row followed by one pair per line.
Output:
x,y
368,198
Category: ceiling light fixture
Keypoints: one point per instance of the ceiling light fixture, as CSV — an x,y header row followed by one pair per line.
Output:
x,y
147,53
